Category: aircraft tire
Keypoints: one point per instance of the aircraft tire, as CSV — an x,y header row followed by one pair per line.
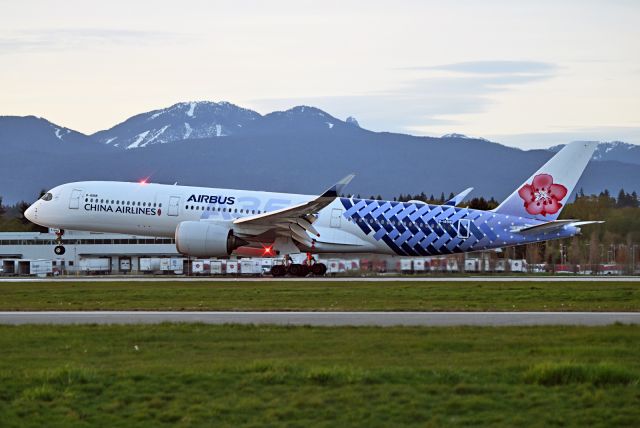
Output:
x,y
319,269
298,270
278,270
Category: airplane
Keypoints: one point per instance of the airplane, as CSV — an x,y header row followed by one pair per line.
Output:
x,y
212,222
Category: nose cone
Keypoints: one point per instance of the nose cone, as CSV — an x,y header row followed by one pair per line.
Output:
x,y
30,213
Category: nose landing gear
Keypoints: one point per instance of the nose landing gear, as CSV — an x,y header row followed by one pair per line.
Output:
x,y
59,249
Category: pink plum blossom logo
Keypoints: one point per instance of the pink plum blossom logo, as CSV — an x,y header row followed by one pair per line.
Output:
x,y
542,196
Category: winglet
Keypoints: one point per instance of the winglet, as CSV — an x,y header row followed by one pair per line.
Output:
x,y
459,197
336,189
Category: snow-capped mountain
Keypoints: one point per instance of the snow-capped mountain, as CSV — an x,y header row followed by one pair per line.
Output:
x,y
205,119
182,121
301,120
613,150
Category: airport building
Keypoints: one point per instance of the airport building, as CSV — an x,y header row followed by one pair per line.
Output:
x,y
86,252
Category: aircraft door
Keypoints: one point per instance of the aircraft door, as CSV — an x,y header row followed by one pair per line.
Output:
x,y
463,228
174,205
336,215
74,202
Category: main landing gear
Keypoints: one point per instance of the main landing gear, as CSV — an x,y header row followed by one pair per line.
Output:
x,y
59,249
299,269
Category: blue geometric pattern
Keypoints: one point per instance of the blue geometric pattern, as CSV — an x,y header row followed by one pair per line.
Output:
x,y
411,229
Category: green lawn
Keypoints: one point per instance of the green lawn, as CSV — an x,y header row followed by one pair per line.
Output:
x,y
203,375
325,296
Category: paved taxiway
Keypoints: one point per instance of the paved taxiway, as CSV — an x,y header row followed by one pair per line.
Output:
x,y
382,319
336,279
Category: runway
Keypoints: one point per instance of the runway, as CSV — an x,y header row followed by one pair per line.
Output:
x,y
334,279
379,319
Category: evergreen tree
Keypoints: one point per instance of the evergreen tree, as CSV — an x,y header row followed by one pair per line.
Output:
x,y
22,207
622,199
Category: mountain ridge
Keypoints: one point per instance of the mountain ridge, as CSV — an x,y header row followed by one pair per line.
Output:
x,y
300,150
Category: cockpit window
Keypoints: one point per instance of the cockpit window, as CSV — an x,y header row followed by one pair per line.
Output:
x,y
47,197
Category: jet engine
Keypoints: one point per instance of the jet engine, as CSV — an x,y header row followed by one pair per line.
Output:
x,y
206,239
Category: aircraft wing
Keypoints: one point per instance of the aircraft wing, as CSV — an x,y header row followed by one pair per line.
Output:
x,y
553,225
297,219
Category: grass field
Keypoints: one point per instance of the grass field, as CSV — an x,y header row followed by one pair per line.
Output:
x,y
194,375
323,296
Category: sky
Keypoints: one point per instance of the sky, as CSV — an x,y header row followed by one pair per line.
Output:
x,y
529,74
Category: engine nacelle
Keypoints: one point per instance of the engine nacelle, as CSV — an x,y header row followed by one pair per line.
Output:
x,y
206,239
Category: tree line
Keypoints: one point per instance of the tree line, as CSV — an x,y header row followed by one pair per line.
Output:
x,y
12,217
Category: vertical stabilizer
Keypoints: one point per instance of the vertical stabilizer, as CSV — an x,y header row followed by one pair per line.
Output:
x,y
546,192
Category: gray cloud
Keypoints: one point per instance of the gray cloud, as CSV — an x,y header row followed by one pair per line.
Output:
x,y
422,101
71,39
495,67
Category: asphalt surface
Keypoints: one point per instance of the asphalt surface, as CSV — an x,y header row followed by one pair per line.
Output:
x,y
381,319
495,278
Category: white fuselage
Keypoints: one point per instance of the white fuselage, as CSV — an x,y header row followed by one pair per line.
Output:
x,y
157,209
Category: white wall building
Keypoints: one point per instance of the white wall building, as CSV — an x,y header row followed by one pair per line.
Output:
x,y
86,251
